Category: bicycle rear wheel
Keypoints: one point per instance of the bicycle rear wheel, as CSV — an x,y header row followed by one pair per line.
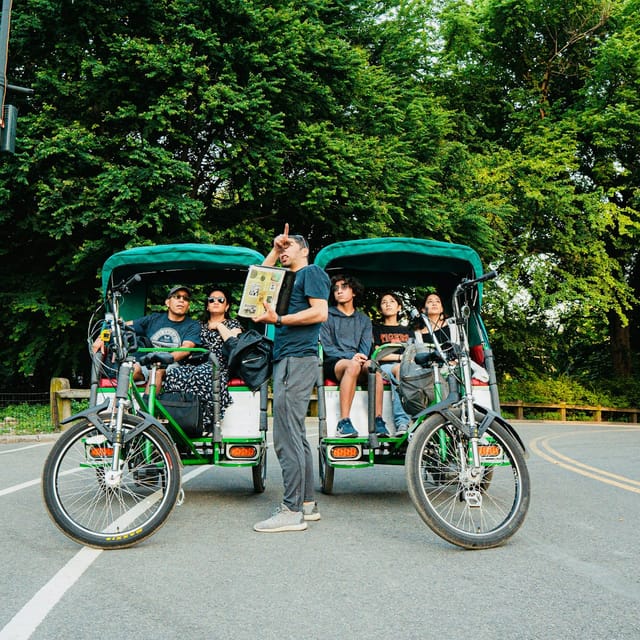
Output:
x,y
98,508
471,511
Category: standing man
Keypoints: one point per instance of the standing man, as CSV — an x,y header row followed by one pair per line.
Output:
x,y
295,372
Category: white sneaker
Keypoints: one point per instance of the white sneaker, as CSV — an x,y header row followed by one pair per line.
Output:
x,y
283,519
310,511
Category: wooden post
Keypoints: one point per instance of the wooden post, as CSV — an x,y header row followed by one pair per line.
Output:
x,y
563,411
597,414
56,403
520,410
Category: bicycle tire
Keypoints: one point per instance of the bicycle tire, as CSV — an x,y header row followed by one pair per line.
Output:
x,y
481,514
78,495
259,473
327,472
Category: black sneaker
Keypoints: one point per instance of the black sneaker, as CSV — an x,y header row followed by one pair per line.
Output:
x,y
381,427
345,429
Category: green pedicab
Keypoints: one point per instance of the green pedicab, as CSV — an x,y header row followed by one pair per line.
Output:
x,y
465,465
114,476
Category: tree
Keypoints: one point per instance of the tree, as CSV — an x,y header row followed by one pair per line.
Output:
x,y
211,121
528,65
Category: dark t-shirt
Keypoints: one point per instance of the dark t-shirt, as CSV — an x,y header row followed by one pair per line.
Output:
x,y
302,340
167,333
384,334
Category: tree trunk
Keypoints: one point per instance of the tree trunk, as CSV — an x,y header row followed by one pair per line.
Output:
x,y
620,347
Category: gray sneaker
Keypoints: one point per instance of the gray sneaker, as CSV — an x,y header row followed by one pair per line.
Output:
x,y
401,429
283,519
310,511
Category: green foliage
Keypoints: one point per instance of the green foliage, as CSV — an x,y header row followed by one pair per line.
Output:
x,y
553,390
509,125
606,392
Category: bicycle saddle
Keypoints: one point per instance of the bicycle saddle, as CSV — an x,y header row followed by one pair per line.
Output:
x,y
156,357
427,358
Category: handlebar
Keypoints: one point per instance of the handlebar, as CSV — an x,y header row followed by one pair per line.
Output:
x,y
466,284
123,286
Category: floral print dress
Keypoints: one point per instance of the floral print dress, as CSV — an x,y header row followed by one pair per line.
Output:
x,y
198,377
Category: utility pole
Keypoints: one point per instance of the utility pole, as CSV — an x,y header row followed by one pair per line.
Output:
x,y
8,112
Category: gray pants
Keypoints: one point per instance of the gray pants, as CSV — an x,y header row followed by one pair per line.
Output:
x,y
293,382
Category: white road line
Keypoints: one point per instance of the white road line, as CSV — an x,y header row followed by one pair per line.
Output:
x,y
30,483
26,621
29,446
18,487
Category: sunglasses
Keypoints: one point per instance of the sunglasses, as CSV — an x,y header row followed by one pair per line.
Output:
x,y
220,299
301,240
179,296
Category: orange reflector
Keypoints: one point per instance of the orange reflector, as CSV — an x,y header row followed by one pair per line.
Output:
x,y
242,451
345,452
101,452
489,450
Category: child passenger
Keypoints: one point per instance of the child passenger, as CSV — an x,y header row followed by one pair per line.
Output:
x,y
387,332
346,339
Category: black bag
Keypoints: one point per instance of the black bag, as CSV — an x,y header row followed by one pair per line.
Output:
x,y
185,408
249,357
416,384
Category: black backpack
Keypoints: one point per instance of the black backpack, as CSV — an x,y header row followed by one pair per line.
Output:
x,y
249,357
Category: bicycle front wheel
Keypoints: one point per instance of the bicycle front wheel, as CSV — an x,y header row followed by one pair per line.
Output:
x,y
474,509
98,507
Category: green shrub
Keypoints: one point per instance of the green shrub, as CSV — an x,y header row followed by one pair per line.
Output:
x,y
561,388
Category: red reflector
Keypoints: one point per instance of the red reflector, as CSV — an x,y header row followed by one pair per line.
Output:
x,y
345,452
101,452
242,451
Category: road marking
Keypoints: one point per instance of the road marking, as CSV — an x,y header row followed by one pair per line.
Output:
x,y
542,448
26,621
30,483
29,446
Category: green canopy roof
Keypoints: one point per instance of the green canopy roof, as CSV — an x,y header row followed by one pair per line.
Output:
x,y
402,262
180,263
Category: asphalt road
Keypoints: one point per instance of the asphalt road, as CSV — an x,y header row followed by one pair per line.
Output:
x,y
369,569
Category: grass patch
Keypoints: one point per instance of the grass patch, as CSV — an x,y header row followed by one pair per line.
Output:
x,y
31,418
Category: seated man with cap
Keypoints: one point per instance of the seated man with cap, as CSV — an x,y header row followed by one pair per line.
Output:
x,y
171,328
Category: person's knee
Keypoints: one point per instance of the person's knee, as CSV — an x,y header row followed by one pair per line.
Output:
x,y
353,369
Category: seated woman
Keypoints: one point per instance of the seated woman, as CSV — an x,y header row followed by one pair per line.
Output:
x,y
390,331
439,326
215,327
445,332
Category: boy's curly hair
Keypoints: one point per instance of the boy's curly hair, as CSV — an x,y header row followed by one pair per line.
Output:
x,y
354,283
